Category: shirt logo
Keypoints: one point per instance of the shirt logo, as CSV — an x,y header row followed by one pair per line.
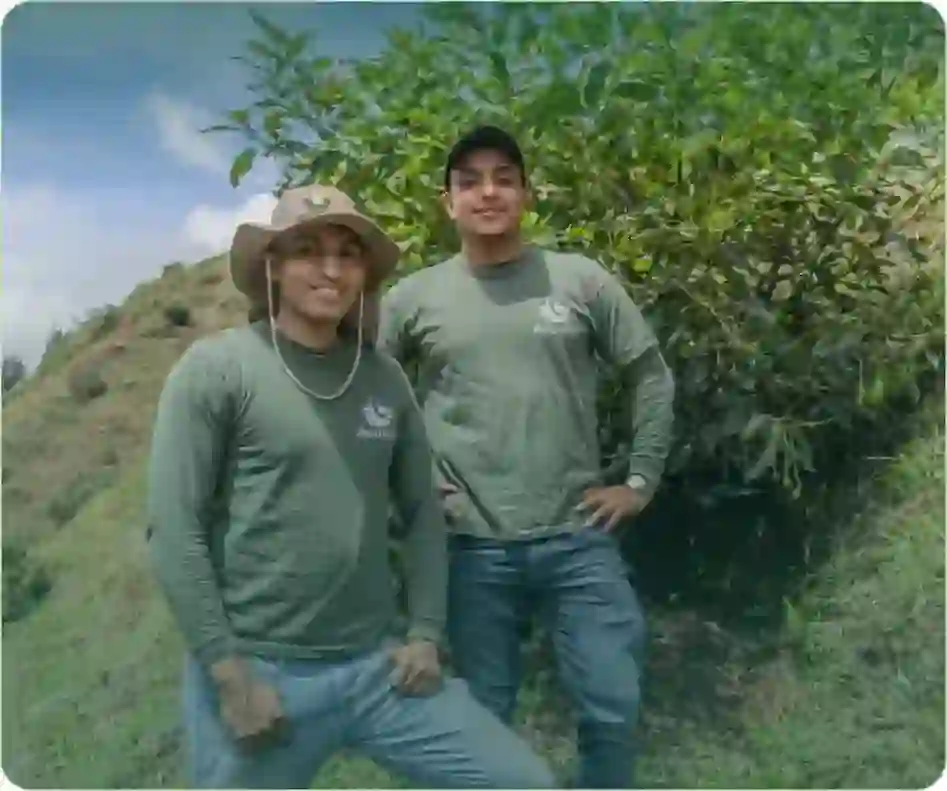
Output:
x,y
377,421
554,316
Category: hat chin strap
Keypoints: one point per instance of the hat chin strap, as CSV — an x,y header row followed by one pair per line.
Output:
x,y
358,349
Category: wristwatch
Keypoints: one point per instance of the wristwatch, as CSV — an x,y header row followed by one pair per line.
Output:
x,y
637,482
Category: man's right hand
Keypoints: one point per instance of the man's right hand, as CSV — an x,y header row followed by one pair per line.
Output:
x,y
446,489
249,707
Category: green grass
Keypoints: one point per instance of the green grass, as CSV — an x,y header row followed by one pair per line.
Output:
x,y
853,695
850,693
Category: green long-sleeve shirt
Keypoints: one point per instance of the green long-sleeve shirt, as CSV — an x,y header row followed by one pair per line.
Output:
x,y
507,378
268,510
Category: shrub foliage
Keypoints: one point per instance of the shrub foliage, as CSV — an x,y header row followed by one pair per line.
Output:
x,y
86,383
766,181
26,582
14,370
178,315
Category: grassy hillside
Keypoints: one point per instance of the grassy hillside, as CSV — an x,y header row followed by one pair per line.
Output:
x,y
850,692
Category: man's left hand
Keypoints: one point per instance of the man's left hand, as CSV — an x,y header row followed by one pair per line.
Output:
x,y
611,504
417,668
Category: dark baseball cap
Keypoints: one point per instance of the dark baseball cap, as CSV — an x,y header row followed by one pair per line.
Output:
x,y
484,138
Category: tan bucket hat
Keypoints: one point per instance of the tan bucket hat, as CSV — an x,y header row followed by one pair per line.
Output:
x,y
310,206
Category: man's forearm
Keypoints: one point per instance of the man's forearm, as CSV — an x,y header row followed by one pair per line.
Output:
x,y
415,479
425,541
194,413
425,555
181,562
650,386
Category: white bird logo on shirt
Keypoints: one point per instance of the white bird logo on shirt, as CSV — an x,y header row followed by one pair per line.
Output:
x,y
377,415
554,312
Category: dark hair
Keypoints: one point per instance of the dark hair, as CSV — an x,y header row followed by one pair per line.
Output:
x,y
257,313
484,138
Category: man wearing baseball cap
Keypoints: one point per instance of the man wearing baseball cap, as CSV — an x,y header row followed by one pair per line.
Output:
x,y
506,337
277,450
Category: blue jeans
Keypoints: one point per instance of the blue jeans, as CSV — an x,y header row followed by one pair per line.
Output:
x,y
577,582
446,740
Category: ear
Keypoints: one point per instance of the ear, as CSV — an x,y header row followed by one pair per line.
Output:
x,y
447,203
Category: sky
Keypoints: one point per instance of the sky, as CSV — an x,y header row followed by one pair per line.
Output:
x,y
105,175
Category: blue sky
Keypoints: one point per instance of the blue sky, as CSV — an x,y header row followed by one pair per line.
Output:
x,y
105,177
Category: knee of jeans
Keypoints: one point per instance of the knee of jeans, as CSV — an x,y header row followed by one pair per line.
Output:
x,y
611,698
498,699
528,771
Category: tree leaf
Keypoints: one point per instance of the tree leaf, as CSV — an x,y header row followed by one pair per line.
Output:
x,y
642,265
767,459
272,122
268,28
500,70
242,164
783,291
638,90
594,85
219,128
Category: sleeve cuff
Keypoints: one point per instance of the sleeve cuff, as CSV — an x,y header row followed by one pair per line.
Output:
x,y
425,632
213,651
643,482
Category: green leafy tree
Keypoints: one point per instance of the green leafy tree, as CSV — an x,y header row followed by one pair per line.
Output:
x,y
766,181
14,369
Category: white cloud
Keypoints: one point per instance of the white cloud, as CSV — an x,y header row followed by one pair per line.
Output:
x,y
61,260
29,318
38,281
210,228
179,124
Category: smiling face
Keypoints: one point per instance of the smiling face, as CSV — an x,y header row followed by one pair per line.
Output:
x,y
486,195
320,271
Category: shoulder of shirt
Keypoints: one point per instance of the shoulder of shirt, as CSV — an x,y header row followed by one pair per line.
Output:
x,y
580,264
389,367
392,377
424,278
222,346
590,277
216,358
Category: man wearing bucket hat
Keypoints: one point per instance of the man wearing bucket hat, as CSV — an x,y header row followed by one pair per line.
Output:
x,y
277,449
506,337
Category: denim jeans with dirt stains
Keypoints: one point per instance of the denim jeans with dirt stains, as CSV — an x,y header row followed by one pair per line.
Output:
x,y
577,583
